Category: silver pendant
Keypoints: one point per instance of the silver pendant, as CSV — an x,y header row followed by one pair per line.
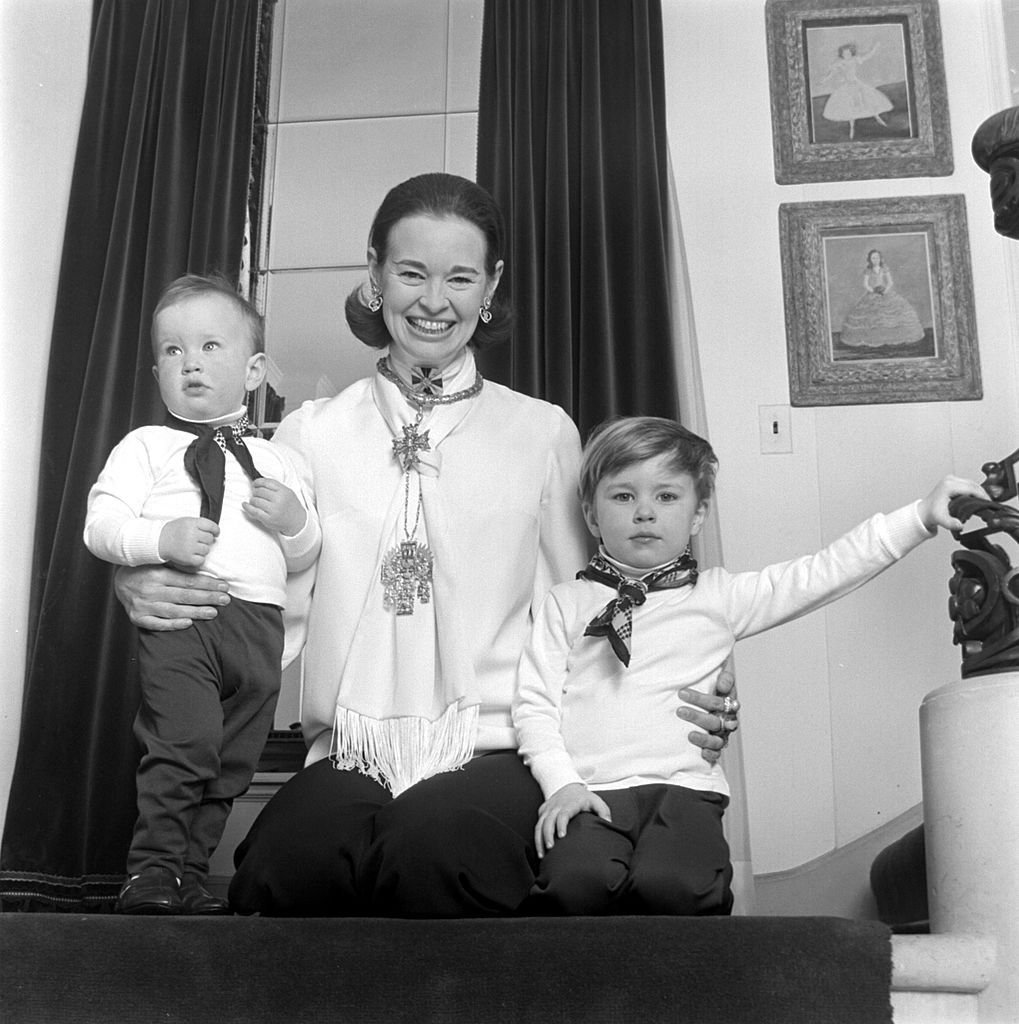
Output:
x,y
406,574
406,448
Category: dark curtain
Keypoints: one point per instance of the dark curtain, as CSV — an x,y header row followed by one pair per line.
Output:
x,y
159,188
572,144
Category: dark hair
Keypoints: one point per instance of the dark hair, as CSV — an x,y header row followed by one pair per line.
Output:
x,y
190,285
619,443
437,195
881,256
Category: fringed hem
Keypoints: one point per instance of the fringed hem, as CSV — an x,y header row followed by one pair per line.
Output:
x,y
28,891
398,752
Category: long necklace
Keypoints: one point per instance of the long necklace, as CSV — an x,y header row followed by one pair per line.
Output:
x,y
407,568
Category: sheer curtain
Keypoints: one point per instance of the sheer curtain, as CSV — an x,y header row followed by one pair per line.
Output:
x,y
708,543
159,187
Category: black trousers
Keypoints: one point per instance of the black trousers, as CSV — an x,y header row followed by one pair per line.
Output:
x,y
208,696
664,852
330,842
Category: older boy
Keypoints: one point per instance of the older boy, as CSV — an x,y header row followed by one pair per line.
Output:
x,y
188,493
632,823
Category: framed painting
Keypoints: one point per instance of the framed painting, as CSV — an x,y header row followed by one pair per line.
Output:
x,y
879,301
857,90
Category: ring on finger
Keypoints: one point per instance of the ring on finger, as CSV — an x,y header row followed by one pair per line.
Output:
x,y
730,706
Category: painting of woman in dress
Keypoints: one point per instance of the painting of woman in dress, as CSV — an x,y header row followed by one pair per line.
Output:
x,y
882,316
883,309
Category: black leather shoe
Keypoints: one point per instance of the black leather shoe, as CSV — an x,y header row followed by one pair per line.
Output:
x,y
196,899
151,891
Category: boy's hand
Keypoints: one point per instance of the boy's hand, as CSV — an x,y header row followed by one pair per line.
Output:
x,y
565,803
934,508
276,507
187,541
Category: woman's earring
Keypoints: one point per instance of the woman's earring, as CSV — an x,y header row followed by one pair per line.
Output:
x,y
486,311
375,301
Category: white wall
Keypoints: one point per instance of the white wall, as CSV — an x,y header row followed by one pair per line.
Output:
x,y
830,703
43,57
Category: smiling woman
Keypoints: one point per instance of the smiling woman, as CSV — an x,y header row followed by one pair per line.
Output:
x,y
461,495
433,285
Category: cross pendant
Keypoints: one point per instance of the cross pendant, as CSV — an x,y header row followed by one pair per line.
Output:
x,y
406,448
406,574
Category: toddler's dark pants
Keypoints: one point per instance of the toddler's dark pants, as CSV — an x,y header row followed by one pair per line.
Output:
x,y
208,696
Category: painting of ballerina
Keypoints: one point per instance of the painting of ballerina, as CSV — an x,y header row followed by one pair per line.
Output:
x,y
859,81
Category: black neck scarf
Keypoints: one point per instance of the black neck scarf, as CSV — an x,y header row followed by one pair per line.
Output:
x,y
205,458
615,620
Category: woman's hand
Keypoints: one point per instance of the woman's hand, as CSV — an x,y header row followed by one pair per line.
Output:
x,y
160,598
716,720
564,804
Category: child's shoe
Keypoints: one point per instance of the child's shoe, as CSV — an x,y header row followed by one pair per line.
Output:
x,y
196,899
151,891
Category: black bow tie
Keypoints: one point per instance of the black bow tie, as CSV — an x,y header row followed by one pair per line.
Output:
x,y
615,620
205,458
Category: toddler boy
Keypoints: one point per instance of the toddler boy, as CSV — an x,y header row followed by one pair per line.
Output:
x,y
188,494
632,818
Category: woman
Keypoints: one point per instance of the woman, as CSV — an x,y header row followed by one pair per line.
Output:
x,y
448,507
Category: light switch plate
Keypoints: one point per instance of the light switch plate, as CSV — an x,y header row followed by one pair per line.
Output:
x,y
773,424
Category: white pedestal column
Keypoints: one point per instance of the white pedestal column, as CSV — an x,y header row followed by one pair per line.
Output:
x,y
969,745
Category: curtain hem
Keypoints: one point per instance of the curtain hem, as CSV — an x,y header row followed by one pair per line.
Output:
x,y
32,891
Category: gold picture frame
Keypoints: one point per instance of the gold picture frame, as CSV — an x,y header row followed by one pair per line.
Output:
x,y
898,326
857,90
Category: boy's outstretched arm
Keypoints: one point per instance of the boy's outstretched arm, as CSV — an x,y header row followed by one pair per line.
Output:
x,y
934,508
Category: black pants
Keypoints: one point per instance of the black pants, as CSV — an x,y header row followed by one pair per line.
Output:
x,y
208,698
330,842
664,852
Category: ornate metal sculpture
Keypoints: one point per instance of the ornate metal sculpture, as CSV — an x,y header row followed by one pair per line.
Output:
x,y
984,602
985,588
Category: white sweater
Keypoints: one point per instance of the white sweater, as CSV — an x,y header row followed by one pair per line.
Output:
x,y
144,485
582,716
